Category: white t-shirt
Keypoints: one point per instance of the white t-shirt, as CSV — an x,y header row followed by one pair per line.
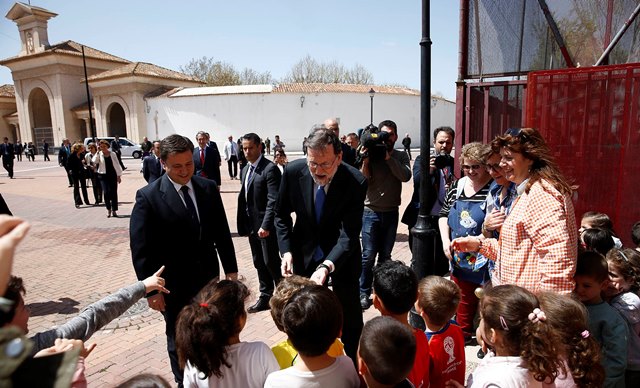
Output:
x,y
341,374
251,363
494,371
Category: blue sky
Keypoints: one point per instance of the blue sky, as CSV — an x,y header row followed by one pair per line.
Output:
x,y
266,35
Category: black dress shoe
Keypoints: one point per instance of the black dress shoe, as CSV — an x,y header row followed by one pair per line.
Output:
x,y
261,305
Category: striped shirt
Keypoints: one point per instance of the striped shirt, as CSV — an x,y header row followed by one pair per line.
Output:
x,y
538,244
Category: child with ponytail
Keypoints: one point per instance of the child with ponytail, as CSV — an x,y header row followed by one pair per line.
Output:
x,y
523,351
579,349
208,340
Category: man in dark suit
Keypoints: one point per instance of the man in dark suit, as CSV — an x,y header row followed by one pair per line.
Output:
x,y
63,157
327,197
151,165
45,149
116,148
179,221
206,158
256,211
8,154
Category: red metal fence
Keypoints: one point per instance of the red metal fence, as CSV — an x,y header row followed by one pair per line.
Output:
x,y
590,117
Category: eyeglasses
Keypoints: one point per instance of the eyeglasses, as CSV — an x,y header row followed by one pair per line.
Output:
x,y
473,167
494,167
324,166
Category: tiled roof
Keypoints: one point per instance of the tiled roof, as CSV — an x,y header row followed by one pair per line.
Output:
x,y
142,69
341,88
7,91
73,48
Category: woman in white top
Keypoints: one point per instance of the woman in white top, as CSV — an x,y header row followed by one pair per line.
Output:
x,y
109,173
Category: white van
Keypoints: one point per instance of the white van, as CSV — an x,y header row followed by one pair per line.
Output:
x,y
127,147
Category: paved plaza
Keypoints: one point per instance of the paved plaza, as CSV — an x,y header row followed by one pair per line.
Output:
x,y
73,257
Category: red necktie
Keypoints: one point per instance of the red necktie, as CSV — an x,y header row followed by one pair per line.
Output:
x,y
202,162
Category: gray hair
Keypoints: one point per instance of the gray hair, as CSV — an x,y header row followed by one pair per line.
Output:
x,y
321,137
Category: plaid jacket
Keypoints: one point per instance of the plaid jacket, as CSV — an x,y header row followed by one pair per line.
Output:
x,y
538,244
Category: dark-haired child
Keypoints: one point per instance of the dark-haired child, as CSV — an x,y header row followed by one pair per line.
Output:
x,y
438,300
635,235
395,290
580,351
523,345
596,239
621,293
208,340
284,351
605,324
313,320
385,353
592,219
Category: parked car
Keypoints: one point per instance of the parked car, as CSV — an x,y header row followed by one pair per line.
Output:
x,y
127,147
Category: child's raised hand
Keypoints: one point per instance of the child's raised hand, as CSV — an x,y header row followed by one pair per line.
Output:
x,y
155,282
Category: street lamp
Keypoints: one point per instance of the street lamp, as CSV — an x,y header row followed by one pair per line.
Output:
x,y
371,94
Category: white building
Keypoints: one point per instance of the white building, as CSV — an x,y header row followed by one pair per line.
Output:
x,y
133,99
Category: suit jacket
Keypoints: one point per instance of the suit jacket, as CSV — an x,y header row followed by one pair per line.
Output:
x,y
211,168
63,156
257,208
151,168
8,148
162,233
338,232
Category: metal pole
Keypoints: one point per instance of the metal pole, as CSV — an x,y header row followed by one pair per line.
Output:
x,y
92,132
618,36
423,252
371,96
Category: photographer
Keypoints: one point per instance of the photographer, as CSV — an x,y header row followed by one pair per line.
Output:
x,y
385,169
441,176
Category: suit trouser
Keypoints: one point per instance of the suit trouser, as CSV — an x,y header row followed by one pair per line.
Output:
x,y
7,163
170,319
79,182
233,166
269,274
109,191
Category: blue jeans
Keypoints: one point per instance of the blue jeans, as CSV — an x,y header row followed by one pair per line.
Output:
x,y
378,236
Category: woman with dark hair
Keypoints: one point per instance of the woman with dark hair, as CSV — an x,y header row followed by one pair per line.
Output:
x,y
280,159
538,243
76,170
109,173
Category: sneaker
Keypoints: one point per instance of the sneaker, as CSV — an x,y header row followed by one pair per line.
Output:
x,y
365,302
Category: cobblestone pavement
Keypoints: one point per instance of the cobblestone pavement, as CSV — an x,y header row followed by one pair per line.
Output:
x,y
73,257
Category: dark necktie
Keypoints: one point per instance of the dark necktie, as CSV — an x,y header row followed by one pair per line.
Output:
x,y
250,175
190,205
320,197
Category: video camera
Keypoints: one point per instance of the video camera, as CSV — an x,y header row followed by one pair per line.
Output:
x,y
374,140
442,160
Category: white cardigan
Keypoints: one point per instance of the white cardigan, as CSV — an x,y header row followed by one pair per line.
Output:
x,y
98,159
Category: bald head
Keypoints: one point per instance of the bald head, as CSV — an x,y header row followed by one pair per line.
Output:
x,y
332,123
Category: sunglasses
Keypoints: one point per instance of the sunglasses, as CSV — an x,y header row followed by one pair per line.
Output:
x,y
516,132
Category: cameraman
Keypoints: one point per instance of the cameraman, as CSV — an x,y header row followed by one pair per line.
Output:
x,y
441,176
386,169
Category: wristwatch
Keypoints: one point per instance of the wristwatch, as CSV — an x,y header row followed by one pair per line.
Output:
x,y
323,265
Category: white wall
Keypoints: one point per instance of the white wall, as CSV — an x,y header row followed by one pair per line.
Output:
x,y
269,114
